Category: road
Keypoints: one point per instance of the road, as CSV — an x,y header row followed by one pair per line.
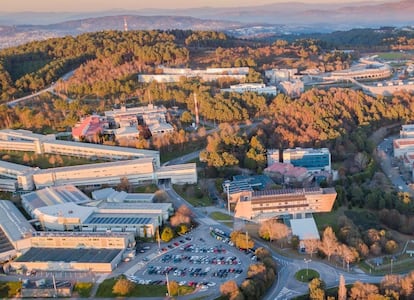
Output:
x,y
50,89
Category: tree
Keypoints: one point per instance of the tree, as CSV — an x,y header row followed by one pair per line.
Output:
x,y
167,234
173,288
181,216
329,244
273,230
348,254
316,289
186,117
122,286
341,288
361,291
311,245
229,289
124,184
241,240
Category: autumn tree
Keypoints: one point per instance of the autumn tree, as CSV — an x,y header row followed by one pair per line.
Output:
x,y
124,185
242,240
361,291
167,234
329,244
316,289
181,216
122,286
231,290
341,288
173,288
311,245
273,230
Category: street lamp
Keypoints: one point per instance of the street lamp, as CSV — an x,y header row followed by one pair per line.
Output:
x,y
307,261
392,259
227,185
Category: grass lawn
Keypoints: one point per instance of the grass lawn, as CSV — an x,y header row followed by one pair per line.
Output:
x,y
394,55
83,289
193,194
9,289
176,152
219,216
327,219
150,188
306,275
105,290
140,290
43,161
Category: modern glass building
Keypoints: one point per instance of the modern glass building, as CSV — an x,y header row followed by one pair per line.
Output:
x,y
312,159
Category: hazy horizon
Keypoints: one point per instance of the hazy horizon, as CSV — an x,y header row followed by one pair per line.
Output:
x,y
99,5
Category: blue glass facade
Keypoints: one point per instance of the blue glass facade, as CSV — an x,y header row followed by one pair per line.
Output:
x,y
311,161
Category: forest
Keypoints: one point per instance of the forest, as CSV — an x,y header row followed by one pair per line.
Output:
x,y
106,65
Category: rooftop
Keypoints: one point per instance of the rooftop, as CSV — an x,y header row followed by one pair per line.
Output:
x,y
304,228
13,223
55,195
69,255
106,165
118,219
66,210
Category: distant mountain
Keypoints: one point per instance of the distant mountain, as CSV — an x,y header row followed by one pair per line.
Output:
x,y
19,34
263,20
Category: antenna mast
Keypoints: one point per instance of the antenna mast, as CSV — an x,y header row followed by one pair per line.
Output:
x,y
125,24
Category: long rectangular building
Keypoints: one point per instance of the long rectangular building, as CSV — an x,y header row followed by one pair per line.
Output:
x,y
261,205
136,171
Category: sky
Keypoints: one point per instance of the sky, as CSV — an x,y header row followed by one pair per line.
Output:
x,y
100,5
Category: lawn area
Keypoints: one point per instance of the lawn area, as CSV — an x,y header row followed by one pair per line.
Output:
x,y
9,289
140,290
150,188
83,289
306,275
328,219
193,194
43,161
178,152
394,55
219,216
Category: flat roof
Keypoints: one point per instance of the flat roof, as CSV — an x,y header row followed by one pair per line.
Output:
x,y
117,219
286,192
12,221
66,210
134,205
126,163
69,255
15,167
102,193
55,195
304,228
103,148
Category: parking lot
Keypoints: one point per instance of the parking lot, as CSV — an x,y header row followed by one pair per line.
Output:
x,y
195,260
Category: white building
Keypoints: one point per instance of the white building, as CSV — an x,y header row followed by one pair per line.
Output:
x,y
277,75
407,131
259,88
16,177
403,146
210,74
309,158
136,171
15,231
293,88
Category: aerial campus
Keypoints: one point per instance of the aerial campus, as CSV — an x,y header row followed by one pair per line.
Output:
x,y
240,163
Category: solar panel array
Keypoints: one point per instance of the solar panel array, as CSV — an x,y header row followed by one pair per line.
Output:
x,y
69,255
117,220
